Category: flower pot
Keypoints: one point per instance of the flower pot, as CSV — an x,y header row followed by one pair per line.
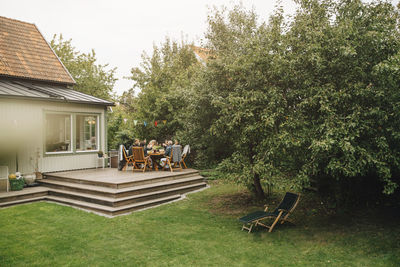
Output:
x,y
17,184
30,179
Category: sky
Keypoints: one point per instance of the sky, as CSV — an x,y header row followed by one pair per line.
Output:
x,y
119,31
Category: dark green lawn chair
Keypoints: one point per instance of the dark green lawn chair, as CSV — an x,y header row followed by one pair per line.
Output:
x,y
280,214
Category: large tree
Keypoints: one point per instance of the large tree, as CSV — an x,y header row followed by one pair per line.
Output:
x,y
163,80
315,97
91,78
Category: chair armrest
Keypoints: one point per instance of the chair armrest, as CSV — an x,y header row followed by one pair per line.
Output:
x,y
283,210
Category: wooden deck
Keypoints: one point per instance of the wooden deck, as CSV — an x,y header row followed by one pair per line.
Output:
x,y
109,191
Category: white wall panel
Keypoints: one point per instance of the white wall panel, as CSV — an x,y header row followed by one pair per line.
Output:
x,y
22,126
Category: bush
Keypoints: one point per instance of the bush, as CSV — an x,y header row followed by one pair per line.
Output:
x,y
17,184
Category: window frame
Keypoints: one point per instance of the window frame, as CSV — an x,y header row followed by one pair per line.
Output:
x,y
71,150
97,130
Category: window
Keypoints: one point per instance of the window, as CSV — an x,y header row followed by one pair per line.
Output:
x,y
58,133
86,132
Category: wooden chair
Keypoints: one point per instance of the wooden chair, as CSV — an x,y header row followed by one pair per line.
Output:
x,y
175,160
186,151
140,162
128,159
280,214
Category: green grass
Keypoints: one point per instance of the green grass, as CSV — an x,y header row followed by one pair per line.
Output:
x,y
201,230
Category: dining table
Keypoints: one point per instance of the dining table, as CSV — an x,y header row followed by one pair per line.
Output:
x,y
156,156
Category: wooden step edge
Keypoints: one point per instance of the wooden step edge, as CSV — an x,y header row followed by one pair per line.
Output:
x,y
146,205
113,185
76,185
146,186
22,201
117,191
112,200
104,208
168,190
79,181
169,175
79,203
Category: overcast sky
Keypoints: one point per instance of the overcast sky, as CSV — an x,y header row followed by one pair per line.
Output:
x,y
119,31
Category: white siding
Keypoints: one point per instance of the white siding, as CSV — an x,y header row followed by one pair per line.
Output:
x,y
25,120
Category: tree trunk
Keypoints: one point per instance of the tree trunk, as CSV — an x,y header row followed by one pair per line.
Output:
x,y
256,177
257,186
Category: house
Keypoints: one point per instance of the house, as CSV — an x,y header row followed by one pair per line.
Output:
x,y
45,125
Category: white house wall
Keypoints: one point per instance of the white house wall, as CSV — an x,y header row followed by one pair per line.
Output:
x,y
24,119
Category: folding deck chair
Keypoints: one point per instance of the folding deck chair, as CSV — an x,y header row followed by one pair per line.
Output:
x,y
280,214
174,161
128,159
140,162
186,151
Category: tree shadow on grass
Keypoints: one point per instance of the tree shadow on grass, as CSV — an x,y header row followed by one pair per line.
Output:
x,y
311,212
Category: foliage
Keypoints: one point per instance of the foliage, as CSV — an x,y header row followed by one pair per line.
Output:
x,y
119,129
162,79
91,78
285,102
198,116
314,97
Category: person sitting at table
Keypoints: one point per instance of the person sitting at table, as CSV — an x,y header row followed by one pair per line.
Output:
x,y
148,148
165,144
167,153
151,145
136,143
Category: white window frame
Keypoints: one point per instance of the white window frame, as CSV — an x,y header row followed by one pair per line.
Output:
x,y
71,146
97,116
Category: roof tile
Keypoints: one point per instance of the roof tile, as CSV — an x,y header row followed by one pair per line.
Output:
x,y
25,53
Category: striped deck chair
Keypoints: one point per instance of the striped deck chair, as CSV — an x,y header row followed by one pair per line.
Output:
x,y
280,214
174,161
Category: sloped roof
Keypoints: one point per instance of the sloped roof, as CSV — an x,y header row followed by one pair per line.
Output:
x,y
37,91
24,53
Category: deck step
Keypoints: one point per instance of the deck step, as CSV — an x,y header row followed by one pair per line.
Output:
x,y
123,192
138,181
102,194
26,193
112,210
22,201
116,202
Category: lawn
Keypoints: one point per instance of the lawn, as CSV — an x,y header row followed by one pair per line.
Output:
x,y
201,230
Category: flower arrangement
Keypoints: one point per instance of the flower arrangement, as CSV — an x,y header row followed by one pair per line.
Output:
x,y
16,181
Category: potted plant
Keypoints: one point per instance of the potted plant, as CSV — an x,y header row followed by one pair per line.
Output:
x,y
100,154
16,182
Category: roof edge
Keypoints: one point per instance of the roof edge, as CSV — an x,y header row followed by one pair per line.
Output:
x,y
59,60
110,104
23,78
